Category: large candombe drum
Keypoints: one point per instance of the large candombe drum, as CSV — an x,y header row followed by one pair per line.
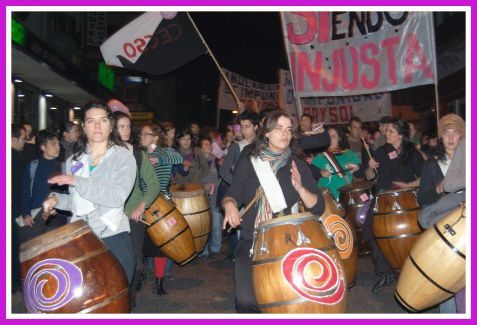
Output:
x,y
192,202
169,231
296,267
435,268
395,225
70,270
353,198
344,235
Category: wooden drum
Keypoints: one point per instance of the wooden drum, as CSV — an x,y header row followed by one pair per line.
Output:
x,y
395,225
435,268
192,202
296,268
169,231
70,270
343,235
353,198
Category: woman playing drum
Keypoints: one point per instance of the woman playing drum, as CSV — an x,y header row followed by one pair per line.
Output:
x,y
398,165
101,175
272,148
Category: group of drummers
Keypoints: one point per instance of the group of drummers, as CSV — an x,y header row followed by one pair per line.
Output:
x,y
274,170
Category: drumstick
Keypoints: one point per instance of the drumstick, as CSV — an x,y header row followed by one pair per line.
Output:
x,y
255,198
369,153
144,222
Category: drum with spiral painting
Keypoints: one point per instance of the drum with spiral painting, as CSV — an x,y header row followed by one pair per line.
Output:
x,y
70,270
355,199
435,268
344,236
296,267
395,225
192,202
169,231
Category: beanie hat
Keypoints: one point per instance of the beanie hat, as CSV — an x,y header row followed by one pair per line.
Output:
x,y
115,106
452,121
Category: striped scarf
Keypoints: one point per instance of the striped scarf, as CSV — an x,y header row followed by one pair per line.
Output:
x,y
277,160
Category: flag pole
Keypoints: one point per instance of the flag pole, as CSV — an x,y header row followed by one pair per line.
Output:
x,y
436,84
287,49
239,103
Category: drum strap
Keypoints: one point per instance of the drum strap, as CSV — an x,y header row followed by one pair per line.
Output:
x,y
334,163
271,187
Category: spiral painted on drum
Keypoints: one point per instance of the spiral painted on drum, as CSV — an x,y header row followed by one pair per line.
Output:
x,y
342,235
67,277
314,275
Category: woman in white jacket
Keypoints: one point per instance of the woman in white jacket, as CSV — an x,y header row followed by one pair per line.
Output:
x,y
100,175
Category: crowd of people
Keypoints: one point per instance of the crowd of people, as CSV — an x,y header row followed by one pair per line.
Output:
x,y
108,172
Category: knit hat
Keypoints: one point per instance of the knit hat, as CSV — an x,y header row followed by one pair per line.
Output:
x,y
452,121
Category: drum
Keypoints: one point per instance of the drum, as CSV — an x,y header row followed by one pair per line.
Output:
x,y
192,202
296,268
343,235
353,197
70,270
435,268
169,231
395,225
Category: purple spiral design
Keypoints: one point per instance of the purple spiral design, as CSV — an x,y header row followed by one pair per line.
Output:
x,y
69,280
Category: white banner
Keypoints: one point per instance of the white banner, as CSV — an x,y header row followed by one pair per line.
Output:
x,y
254,95
349,53
339,110
286,98
335,110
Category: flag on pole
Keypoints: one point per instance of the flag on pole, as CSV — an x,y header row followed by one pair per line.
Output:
x,y
155,43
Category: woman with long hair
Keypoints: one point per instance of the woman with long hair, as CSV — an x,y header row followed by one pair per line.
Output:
x,y
194,163
163,158
100,175
337,164
398,164
273,149
139,200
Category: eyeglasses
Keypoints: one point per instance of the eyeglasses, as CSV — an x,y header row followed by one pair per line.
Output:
x,y
145,134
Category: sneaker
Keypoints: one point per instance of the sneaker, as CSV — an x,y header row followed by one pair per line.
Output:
x,y
385,280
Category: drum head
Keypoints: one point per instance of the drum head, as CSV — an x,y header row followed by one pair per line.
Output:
x,y
398,191
297,218
359,186
186,190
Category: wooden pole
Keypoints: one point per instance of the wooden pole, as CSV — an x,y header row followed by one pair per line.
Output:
x,y
240,105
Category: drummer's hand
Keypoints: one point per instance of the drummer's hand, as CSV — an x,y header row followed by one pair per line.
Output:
x,y
353,167
28,220
231,215
316,128
295,177
373,164
401,184
186,164
49,206
325,173
138,212
440,188
62,180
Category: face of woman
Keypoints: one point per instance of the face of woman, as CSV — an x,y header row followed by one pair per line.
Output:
x,y
305,123
393,137
170,135
451,139
206,147
279,138
124,129
334,139
147,136
185,142
97,125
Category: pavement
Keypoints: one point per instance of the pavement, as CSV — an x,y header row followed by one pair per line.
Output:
x,y
205,286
